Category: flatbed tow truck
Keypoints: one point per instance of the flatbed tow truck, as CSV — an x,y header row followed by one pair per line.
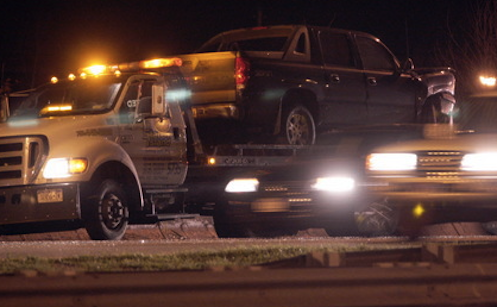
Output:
x,y
114,145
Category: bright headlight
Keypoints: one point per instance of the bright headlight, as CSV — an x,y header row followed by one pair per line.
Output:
x,y
334,184
480,162
391,162
64,167
242,185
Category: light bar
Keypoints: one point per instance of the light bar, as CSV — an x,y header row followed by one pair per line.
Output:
x,y
94,70
160,63
116,69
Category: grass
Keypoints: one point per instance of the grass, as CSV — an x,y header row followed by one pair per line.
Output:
x,y
238,257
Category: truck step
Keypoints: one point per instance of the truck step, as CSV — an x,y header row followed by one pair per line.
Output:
x,y
173,216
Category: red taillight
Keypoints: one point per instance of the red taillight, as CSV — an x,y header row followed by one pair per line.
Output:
x,y
242,67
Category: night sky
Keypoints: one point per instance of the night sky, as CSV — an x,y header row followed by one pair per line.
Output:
x,y
52,37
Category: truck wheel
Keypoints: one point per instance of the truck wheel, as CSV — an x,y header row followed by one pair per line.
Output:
x,y
379,219
229,224
223,221
298,126
106,213
490,227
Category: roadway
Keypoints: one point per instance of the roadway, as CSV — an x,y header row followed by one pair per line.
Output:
x,y
437,271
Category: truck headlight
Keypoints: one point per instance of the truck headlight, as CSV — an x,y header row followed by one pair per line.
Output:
x,y
479,162
334,184
64,167
242,185
391,162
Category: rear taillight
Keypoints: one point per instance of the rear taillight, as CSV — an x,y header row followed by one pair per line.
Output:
x,y
242,68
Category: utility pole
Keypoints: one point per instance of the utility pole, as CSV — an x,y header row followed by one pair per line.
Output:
x,y
259,16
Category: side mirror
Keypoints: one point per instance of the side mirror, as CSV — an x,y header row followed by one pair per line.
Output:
x,y
408,64
158,99
4,108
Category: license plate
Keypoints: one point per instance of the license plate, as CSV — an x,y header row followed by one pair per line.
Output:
x,y
270,205
49,196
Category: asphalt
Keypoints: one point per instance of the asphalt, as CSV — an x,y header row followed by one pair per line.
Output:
x,y
203,228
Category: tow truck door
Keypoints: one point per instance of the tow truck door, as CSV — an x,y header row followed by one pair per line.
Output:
x,y
152,132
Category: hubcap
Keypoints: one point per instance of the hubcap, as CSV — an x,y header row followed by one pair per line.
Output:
x,y
298,129
113,211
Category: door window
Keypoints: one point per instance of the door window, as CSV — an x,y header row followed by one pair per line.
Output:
x,y
137,100
374,55
336,49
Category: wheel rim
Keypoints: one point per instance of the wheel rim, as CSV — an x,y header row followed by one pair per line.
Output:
x,y
298,129
113,211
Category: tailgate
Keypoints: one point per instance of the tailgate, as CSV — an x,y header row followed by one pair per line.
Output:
x,y
210,76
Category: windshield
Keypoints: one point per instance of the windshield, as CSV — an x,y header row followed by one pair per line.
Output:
x,y
92,95
478,113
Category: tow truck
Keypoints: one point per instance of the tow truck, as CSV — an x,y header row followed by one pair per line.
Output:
x,y
108,147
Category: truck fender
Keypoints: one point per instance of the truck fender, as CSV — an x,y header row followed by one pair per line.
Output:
x,y
303,97
106,158
439,93
439,82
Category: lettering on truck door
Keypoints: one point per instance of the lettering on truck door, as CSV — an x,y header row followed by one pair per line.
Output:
x,y
151,141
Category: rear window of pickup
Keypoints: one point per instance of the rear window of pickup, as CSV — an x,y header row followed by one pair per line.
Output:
x,y
251,40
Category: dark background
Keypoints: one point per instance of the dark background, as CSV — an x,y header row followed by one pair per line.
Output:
x,y
39,39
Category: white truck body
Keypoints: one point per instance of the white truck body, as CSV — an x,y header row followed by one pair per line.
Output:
x,y
69,154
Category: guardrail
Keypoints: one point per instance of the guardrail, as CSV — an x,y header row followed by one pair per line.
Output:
x,y
432,275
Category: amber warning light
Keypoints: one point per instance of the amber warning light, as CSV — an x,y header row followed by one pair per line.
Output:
x,y
116,69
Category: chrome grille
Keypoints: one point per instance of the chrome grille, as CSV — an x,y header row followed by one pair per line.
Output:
x,y
439,160
298,195
21,159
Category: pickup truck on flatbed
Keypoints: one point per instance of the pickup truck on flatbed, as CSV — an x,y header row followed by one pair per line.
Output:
x,y
289,83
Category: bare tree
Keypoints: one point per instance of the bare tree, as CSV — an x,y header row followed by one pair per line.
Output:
x,y
471,48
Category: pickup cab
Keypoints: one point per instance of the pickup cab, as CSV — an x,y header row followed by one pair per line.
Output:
x,y
288,83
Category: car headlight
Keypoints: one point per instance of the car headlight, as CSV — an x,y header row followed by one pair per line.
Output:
x,y
391,162
479,162
334,184
64,167
242,185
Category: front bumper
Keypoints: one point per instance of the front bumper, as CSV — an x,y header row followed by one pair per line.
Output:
x,y
314,209
24,204
457,189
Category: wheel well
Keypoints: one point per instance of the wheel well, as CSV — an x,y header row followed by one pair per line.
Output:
x,y
122,174
439,95
304,97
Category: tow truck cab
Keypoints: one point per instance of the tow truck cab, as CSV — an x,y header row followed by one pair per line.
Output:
x,y
107,147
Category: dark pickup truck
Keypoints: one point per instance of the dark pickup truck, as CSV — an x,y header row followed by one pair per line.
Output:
x,y
290,82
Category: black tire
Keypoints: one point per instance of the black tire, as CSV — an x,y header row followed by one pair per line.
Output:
x,y
297,126
379,219
230,224
341,226
223,222
490,227
105,211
